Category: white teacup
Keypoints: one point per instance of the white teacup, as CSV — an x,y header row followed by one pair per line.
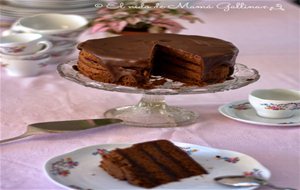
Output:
x,y
24,68
275,103
16,44
63,25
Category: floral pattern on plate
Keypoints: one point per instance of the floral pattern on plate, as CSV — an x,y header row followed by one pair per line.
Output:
x,y
229,159
243,111
63,166
100,151
242,106
255,172
89,176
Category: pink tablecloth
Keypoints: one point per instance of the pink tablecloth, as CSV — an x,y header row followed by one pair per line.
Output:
x,y
268,41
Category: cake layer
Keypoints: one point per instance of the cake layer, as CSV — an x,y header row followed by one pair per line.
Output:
x,y
150,164
90,65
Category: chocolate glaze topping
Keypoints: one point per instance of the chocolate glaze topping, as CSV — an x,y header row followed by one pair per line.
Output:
x,y
135,51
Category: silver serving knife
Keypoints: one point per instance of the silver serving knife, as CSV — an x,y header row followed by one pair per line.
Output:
x,y
62,126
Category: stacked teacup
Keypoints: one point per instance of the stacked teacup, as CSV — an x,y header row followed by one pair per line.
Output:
x,y
39,39
24,54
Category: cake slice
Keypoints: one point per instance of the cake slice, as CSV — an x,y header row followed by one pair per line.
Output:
x,y
150,164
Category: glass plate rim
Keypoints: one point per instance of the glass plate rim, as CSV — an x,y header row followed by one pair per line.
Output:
x,y
239,79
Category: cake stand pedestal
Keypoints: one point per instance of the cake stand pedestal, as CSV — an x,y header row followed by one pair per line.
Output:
x,y
152,110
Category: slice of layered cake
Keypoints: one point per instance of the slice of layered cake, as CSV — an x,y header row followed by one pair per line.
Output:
x,y
150,164
131,60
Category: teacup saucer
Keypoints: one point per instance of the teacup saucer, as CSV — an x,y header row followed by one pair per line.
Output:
x,y
244,112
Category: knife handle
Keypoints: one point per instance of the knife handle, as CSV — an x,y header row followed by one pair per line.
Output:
x,y
28,133
15,138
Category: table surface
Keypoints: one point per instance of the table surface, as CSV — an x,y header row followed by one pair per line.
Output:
x,y
268,41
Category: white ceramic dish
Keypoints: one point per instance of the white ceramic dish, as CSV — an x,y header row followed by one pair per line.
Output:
x,y
51,24
243,111
79,169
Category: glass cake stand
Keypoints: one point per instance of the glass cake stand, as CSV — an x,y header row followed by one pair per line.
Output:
x,y
152,110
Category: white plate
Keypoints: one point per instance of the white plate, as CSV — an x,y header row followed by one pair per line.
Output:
x,y
80,169
244,112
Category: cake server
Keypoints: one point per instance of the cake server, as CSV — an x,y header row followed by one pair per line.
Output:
x,y
247,181
62,126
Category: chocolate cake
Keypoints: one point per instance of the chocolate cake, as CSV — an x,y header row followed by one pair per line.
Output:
x,y
131,60
150,164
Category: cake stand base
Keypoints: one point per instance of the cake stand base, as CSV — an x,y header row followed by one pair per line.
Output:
x,y
152,111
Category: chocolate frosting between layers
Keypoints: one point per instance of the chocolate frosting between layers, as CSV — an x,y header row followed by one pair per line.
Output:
x,y
135,51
